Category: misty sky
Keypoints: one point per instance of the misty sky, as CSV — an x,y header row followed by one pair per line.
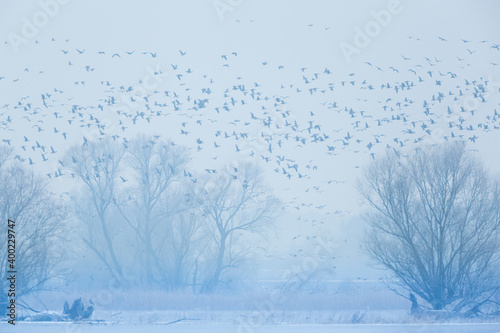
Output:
x,y
290,53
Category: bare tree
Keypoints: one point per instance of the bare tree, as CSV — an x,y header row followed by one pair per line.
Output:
x,y
97,165
234,202
39,229
153,200
181,243
436,224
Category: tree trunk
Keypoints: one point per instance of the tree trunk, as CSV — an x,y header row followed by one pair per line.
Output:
x,y
149,251
214,280
109,244
195,276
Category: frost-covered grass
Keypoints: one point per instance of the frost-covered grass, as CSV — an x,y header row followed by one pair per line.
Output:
x,y
339,297
344,303
277,317
231,328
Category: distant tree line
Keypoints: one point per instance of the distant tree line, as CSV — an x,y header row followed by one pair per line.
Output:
x,y
152,222
145,216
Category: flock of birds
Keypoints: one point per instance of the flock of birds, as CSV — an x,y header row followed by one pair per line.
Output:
x,y
295,129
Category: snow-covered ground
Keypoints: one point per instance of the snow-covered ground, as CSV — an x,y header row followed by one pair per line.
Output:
x,y
232,328
356,307
254,322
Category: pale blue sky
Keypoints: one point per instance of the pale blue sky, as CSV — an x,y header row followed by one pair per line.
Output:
x,y
292,34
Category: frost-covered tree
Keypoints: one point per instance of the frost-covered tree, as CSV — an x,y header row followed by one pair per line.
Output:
x,y
152,206
234,202
40,231
97,166
435,224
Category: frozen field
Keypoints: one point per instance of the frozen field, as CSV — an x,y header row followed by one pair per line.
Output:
x,y
229,328
353,309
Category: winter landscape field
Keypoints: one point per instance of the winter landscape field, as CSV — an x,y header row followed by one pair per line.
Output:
x,y
249,166
227,328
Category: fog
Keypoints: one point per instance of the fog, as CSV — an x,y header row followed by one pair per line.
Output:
x,y
250,164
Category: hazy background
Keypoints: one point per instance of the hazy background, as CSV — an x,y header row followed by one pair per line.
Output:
x,y
303,37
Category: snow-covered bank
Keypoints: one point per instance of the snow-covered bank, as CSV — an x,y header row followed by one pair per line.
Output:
x,y
230,328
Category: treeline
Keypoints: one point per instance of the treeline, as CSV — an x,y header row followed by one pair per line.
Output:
x,y
152,222
145,218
